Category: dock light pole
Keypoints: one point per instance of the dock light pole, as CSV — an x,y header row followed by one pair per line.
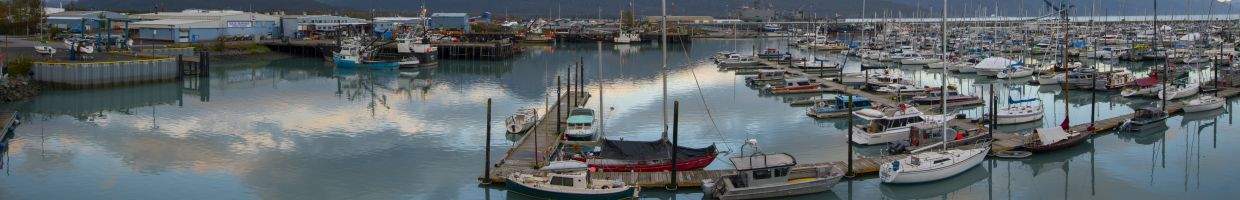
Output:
x,y
675,181
486,167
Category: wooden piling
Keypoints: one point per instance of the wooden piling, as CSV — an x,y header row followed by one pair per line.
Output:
x,y
486,166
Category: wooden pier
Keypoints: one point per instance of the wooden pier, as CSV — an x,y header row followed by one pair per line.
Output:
x,y
535,148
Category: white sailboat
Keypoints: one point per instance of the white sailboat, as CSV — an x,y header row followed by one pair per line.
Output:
x,y
1204,103
934,165
1180,91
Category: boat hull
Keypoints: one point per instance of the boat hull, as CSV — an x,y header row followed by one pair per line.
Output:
x,y
865,138
1063,144
1204,107
533,191
816,186
935,174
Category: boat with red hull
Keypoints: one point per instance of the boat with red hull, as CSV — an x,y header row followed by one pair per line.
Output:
x,y
647,156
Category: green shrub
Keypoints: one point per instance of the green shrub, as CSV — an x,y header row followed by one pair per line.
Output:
x,y
18,66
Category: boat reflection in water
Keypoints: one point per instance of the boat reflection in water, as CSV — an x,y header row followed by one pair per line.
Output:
x,y
941,188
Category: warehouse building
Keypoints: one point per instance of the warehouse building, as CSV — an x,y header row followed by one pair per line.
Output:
x,y
390,24
204,25
299,26
459,21
80,21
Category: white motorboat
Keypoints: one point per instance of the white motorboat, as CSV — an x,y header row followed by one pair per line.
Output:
x,y
580,124
1015,72
521,121
761,176
45,50
737,60
916,59
1050,79
900,88
626,38
1204,103
888,124
932,166
1178,92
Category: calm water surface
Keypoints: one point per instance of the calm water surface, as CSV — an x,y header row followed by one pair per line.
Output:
x,y
296,128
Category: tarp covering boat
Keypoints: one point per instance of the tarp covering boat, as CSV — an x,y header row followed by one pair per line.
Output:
x,y
1051,135
1146,82
647,150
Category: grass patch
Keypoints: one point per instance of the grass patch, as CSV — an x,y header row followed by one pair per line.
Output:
x,y
18,65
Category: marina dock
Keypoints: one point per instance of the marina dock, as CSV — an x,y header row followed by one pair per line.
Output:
x,y
8,122
538,144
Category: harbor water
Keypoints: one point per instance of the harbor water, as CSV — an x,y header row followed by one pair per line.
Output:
x,y
298,128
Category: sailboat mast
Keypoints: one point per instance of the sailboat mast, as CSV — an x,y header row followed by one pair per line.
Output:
x,y
600,89
663,47
1063,64
943,58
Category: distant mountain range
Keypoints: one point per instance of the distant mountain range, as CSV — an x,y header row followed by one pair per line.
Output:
x,y
717,8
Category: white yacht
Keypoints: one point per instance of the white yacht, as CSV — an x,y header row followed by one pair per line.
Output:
x,y
580,124
888,124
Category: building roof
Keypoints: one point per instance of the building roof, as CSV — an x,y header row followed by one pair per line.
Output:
x,y
399,18
207,14
179,23
450,15
85,14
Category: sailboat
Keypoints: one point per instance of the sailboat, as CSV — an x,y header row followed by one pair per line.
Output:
x,y
1016,112
1178,92
934,165
1055,138
1204,103
648,156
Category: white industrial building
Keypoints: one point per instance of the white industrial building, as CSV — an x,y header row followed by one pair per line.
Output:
x,y
296,26
204,25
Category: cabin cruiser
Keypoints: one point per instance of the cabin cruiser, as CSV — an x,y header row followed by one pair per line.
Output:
x,y
816,64
1016,113
917,59
837,107
770,53
795,85
580,124
767,76
1145,118
737,60
888,124
762,176
935,96
900,88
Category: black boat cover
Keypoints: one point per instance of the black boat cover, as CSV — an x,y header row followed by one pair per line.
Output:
x,y
648,150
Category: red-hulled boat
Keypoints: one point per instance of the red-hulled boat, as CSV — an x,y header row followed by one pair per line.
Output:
x,y
647,156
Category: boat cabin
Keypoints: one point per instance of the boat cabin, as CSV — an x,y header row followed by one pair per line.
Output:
x,y
889,118
580,118
793,82
761,170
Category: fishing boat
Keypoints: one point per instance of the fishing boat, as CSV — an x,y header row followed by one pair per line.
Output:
x,y
761,176
1054,138
1016,113
1204,103
935,96
521,121
888,124
1145,118
1182,91
574,185
646,156
580,124
932,166
838,107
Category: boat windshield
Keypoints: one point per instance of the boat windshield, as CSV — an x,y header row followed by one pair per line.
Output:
x,y
561,181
